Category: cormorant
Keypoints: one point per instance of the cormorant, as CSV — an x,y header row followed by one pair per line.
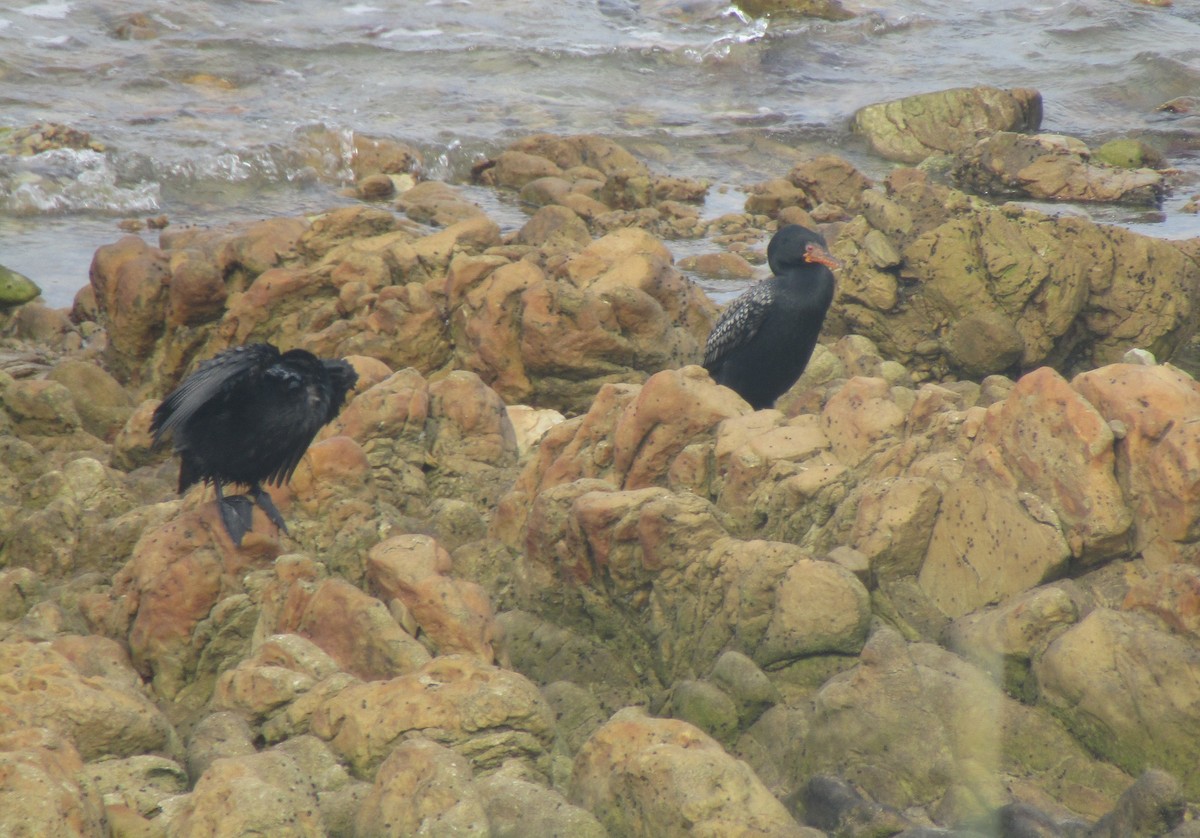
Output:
x,y
763,340
247,416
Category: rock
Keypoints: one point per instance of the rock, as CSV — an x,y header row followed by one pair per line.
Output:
x,y
911,129
911,723
749,687
131,282
381,155
42,787
217,736
455,614
102,404
825,9
422,788
661,777
706,706
982,343
434,202
972,563
1127,689
1153,805
353,628
1154,462
139,782
1172,594
555,229
834,805
99,713
16,288
1005,639
484,713
1045,438
1128,154
819,608
517,808
893,523
263,793
1049,167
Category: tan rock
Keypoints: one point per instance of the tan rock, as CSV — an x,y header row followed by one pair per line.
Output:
x,y
663,777
455,614
42,787
1128,690
102,404
98,714
819,608
139,782
130,279
1053,443
555,229
422,788
893,523
352,627
1172,594
434,202
517,807
1158,461
484,713
972,560
860,418
255,794
913,724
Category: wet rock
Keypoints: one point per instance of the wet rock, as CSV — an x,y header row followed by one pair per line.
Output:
x,y
42,787
1126,688
1050,167
718,266
825,9
834,805
434,202
44,136
1128,154
644,776
16,288
486,714
380,155
263,793
911,129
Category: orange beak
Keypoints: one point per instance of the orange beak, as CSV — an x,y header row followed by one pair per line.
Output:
x,y
815,253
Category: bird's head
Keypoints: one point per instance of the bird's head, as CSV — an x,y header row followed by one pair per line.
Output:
x,y
795,246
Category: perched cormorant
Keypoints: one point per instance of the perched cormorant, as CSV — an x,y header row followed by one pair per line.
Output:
x,y
247,416
763,340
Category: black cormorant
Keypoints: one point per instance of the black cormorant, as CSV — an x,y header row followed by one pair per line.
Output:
x,y
763,340
247,416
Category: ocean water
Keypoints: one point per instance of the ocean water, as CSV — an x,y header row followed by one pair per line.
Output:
x,y
217,111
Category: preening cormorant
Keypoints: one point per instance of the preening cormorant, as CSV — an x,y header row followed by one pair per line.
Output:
x,y
763,340
247,416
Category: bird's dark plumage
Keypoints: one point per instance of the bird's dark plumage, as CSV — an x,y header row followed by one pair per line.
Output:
x,y
247,416
763,340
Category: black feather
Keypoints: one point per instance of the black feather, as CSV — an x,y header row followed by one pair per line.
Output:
x,y
761,343
248,415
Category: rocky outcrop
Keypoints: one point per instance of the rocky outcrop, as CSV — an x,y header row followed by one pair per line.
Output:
x,y
1050,167
909,130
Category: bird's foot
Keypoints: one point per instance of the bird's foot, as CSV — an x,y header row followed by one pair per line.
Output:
x,y
237,514
268,506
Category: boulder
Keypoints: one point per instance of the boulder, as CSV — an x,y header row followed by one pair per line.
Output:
x,y
43,789
910,129
1047,167
663,777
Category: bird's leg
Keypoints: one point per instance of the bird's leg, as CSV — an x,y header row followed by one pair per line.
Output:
x,y
268,506
236,514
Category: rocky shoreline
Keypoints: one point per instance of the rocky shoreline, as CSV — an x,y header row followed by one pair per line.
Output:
x,y
545,578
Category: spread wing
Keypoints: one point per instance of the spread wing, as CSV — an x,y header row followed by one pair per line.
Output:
x,y
739,322
219,375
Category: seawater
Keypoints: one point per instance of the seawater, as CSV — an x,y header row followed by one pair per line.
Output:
x,y
208,110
